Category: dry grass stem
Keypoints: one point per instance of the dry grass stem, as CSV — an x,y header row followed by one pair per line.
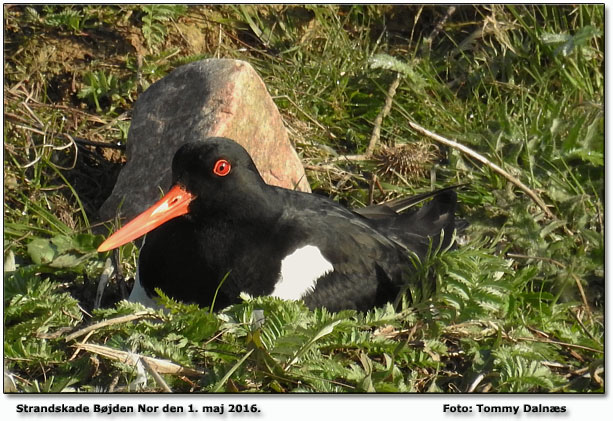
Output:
x,y
466,150
110,322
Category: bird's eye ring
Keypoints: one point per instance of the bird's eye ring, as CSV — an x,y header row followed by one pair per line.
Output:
x,y
222,168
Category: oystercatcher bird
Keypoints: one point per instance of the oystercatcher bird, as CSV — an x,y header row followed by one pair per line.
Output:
x,y
221,221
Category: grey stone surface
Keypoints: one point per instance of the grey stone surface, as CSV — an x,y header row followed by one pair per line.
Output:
x,y
213,97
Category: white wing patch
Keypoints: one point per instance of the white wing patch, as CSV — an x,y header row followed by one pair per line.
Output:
x,y
300,271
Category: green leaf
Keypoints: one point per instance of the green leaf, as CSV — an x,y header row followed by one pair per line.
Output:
x,y
229,373
62,251
200,325
41,251
325,330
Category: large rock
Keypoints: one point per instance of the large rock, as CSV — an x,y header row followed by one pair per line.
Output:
x,y
202,99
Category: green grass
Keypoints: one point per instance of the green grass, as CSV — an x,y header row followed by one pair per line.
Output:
x,y
517,308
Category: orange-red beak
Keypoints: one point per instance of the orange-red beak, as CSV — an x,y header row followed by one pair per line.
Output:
x,y
174,203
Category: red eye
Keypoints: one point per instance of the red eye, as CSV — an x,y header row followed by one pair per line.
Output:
x,y
222,168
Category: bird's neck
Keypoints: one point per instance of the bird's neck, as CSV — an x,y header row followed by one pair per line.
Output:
x,y
260,207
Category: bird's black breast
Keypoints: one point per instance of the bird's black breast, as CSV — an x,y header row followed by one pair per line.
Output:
x,y
188,262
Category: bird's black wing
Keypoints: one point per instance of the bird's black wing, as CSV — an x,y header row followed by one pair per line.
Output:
x,y
367,264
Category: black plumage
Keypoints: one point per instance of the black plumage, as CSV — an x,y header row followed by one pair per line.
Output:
x,y
239,228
